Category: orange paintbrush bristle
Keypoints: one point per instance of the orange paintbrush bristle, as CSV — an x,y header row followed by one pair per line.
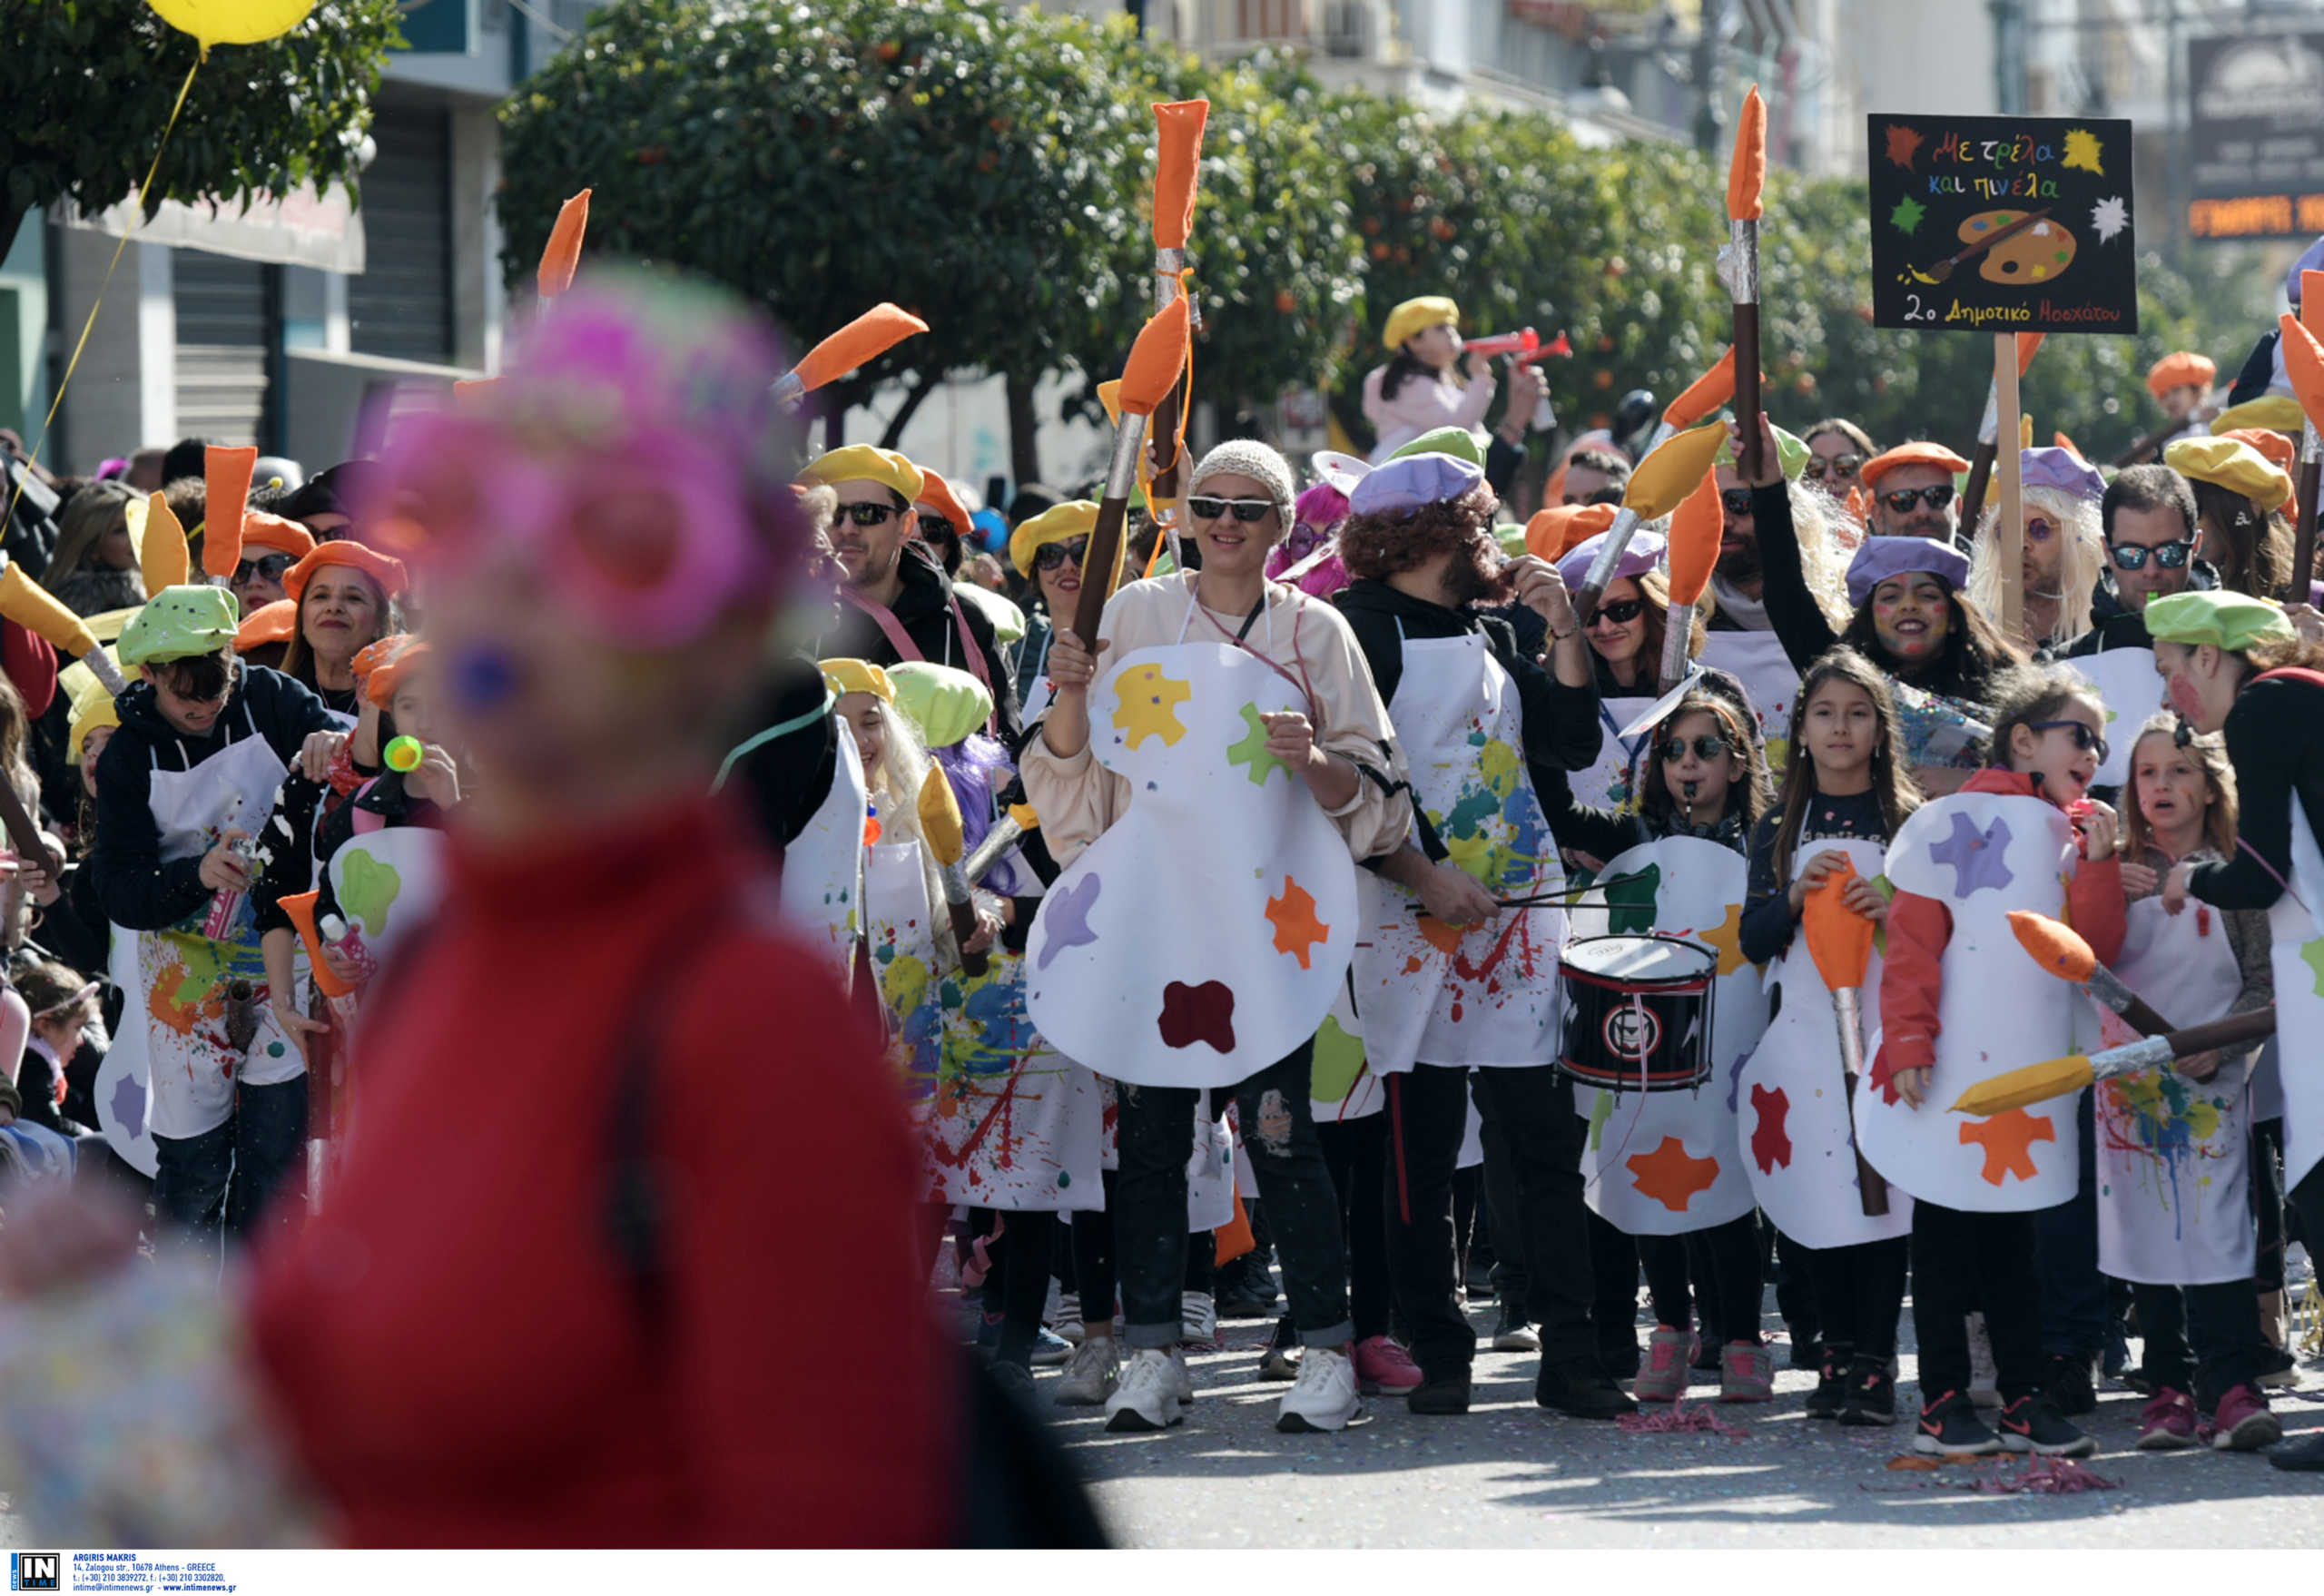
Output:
x,y
1704,395
1178,163
2304,364
1696,527
562,254
1840,940
1156,358
225,493
1746,173
859,343
2054,945
2027,344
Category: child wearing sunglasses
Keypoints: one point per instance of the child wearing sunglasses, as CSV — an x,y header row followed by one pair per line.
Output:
x,y
1961,1002
1846,790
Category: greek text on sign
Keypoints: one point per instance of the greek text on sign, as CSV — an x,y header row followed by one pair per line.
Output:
x,y
2003,225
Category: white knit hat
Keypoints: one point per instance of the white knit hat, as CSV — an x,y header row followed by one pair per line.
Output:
x,y
1247,457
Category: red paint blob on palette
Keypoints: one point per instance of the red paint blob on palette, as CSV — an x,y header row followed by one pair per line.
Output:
x,y
1204,1014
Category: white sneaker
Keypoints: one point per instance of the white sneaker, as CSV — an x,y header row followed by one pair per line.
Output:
x,y
1198,1320
1089,1374
1146,1395
1323,1398
1984,1379
1065,1313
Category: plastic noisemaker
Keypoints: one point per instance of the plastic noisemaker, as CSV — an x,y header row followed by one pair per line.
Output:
x,y
1148,376
859,343
1696,526
225,493
40,612
562,254
1746,176
940,828
1661,481
2058,948
404,754
2053,1077
1840,941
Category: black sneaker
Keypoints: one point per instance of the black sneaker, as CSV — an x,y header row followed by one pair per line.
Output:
x,y
1831,1393
1871,1393
1949,1428
1245,1291
2278,1367
1807,1352
1620,1360
1446,1397
2033,1424
1580,1392
2070,1387
2300,1457
1510,1333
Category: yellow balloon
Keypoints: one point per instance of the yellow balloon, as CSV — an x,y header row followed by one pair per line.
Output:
x,y
233,21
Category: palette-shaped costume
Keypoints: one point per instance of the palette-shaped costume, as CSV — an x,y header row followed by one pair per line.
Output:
x,y
1981,855
1662,1163
823,868
2174,1205
388,881
1426,992
1798,1141
2298,956
1204,935
2131,691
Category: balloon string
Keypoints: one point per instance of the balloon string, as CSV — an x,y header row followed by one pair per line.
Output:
x,y
49,424
1145,471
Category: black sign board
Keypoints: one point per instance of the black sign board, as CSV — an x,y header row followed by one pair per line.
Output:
x,y
2256,127
2003,225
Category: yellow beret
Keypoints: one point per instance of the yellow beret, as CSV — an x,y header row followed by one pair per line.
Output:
x,y
90,709
1415,317
2272,412
1076,517
859,462
857,675
2232,464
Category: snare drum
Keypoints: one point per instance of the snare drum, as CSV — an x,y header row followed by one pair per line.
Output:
x,y
1638,1013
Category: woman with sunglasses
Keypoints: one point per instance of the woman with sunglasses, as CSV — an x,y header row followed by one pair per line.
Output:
x,y
2240,495
271,546
1048,550
1838,450
1474,717
2064,556
94,568
1240,499
1419,389
2237,664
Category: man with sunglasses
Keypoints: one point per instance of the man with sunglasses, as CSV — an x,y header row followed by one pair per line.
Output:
x,y
1911,494
901,605
2148,518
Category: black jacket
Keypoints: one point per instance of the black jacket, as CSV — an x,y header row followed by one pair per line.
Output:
x,y
136,888
924,609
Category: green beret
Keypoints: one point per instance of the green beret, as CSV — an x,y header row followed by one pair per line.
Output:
x,y
2232,621
180,623
1457,441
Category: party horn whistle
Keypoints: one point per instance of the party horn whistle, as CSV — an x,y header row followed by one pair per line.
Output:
x,y
2058,948
1521,342
2038,1083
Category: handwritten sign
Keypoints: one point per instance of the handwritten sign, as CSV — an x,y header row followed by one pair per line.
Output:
x,y
2003,225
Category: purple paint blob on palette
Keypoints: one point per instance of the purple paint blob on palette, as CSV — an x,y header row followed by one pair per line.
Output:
x,y
1204,1014
1976,857
1067,918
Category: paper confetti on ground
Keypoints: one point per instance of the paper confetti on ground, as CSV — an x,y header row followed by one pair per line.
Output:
x,y
2048,1476
1677,1418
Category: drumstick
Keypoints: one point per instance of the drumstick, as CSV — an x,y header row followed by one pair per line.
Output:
x,y
1564,899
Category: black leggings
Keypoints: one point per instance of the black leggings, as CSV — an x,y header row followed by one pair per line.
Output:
x,y
1357,1152
1859,1295
1616,1257
1724,1261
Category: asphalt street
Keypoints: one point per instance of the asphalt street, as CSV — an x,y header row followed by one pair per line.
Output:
x,y
1511,1476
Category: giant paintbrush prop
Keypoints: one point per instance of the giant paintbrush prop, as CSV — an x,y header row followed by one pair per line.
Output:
x,y
1005,833
2304,364
940,828
859,343
1662,480
1154,362
1746,177
1704,397
2038,1083
1839,941
1980,464
1695,529
2058,948
1178,162
38,610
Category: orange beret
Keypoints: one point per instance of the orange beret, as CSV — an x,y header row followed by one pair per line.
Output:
x,y
380,686
937,495
2279,450
1553,532
261,530
1910,454
381,568
269,622
2181,369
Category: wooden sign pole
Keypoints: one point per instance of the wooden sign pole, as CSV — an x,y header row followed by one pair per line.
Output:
x,y
2010,518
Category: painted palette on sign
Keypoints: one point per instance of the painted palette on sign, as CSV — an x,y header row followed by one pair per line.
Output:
x,y
2003,225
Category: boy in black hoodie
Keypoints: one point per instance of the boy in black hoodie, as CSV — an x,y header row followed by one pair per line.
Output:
x,y
204,743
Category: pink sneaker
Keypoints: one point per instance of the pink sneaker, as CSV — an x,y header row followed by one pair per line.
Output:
x,y
1745,1373
1664,1378
2242,1423
1382,1365
2167,1423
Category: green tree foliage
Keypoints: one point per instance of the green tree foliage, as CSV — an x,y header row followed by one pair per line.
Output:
x,y
88,85
991,169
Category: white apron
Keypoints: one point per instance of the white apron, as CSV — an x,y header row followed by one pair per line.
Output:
x,y
1432,993
2299,1003
1982,854
124,1087
823,868
180,975
1343,1085
1664,1163
2130,692
904,958
2173,1203
1610,782
1205,933
1796,1141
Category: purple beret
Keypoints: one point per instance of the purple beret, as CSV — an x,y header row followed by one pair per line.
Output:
x,y
2311,259
1412,483
1883,558
1644,552
2062,470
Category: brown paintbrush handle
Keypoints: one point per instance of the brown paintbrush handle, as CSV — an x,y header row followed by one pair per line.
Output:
x,y
1981,476
1749,466
2303,539
2235,1029
2144,1019
1098,570
964,926
24,835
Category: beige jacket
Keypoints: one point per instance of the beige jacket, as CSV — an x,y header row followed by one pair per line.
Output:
x,y
1079,798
